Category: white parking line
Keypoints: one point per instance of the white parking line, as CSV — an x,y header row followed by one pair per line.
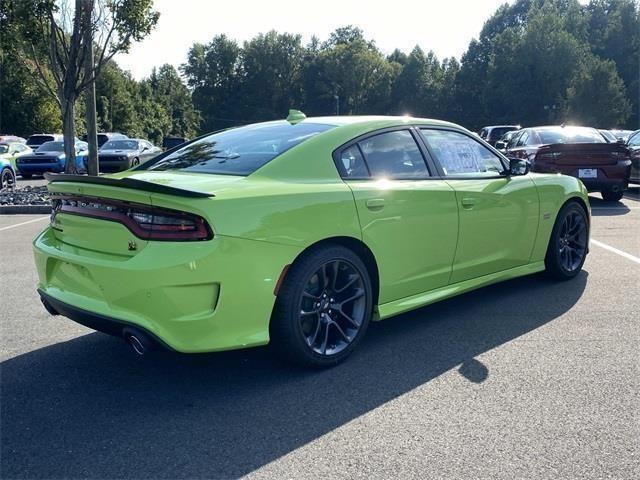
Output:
x,y
23,223
615,250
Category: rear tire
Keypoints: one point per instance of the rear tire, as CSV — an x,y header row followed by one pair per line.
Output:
x,y
323,308
610,196
568,244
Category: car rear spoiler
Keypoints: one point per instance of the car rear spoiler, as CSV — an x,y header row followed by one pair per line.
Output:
x,y
126,183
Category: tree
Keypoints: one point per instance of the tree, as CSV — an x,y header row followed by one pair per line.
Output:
x,y
60,69
213,74
271,75
596,95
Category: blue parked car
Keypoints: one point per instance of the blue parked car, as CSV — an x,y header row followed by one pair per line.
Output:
x,y
7,174
50,157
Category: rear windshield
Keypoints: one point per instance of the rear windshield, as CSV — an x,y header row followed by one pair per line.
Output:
x,y
120,145
39,139
51,147
569,135
239,151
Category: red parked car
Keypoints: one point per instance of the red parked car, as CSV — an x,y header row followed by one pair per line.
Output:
x,y
577,151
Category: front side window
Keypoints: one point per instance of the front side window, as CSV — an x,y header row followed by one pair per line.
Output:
x,y
459,154
394,155
635,140
524,138
239,151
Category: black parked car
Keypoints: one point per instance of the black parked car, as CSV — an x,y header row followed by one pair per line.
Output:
x,y
170,142
117,155
493,133
634,146
104,137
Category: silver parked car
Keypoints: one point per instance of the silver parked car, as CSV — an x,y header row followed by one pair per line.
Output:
x,y
122,154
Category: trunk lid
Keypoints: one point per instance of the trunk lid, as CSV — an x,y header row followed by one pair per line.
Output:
x,y
583,154
144,189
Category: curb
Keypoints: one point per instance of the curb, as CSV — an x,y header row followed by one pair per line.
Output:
x,y
24,209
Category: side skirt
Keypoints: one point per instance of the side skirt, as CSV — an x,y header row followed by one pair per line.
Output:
x,y
402,305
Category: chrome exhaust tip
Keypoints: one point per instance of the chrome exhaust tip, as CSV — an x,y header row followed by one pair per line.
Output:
x,y
138,341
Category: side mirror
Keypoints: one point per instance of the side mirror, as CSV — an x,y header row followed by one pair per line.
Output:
x,y
144,149
621,141
518,166
500,145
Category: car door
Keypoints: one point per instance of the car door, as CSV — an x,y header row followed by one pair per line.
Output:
x,y
408,217
498,213
147,151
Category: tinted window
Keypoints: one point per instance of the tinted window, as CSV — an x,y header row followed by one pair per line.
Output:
x,y
352,164
569,135
514,139
498,132
394,155
39,139
459,154
120,145
51,147
240,151
524,138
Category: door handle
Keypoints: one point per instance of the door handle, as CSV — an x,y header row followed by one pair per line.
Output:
x,y
468,202
375,203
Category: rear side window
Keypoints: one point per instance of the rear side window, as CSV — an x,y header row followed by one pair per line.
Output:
x,y
352,163
393,155
460,155
239,151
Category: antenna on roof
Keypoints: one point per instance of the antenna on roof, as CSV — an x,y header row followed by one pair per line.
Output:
x,y
295,116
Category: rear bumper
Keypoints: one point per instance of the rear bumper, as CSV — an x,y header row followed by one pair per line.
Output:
x,y
191,296
101,323
609,177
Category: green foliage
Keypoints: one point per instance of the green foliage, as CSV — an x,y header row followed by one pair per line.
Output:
x,y
534,62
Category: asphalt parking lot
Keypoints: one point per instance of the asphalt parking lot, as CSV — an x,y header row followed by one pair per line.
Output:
x,y
524,379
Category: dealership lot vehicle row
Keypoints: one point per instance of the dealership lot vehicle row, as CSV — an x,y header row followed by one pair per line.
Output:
x,y
467,388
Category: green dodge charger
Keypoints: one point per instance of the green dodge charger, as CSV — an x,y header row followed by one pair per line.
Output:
x,y
299,232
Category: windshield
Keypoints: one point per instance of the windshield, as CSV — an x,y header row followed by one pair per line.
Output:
x,y
39,139
51,147
569,135
239,151
120,145
4,148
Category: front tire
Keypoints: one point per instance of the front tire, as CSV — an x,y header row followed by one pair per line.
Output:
x,y
568,244
7,179
323,307
610,196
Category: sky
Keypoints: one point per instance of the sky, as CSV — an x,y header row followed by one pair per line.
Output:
x,y
444,26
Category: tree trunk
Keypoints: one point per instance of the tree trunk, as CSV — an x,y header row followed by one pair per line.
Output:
x,y
90,93
69,131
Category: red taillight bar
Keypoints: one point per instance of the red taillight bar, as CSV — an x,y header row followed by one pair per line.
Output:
x,y
184,227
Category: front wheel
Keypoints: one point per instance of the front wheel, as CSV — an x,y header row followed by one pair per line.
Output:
x,y
567,248
610,196
323,307
7,179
